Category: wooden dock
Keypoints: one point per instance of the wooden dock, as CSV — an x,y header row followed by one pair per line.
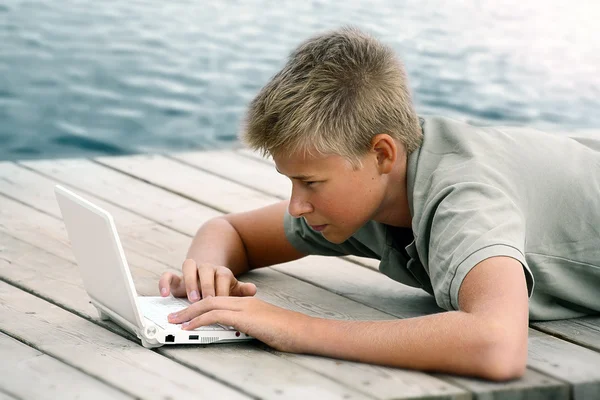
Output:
x,y
53,345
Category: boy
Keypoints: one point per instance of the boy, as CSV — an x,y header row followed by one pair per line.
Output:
x,y
475,216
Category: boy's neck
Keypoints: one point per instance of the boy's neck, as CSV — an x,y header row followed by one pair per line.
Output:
x,y
394,209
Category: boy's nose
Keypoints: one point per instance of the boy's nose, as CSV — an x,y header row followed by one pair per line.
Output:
x,y
298,207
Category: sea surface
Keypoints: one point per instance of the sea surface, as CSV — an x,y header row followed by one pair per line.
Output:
x,y
80,78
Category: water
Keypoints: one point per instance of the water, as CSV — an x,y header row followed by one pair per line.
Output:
x,y
86,78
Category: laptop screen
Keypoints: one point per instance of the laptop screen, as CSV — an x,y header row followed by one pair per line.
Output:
x,y
99,254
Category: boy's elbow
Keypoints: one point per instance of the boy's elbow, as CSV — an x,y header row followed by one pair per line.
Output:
x,y
506,359
504,371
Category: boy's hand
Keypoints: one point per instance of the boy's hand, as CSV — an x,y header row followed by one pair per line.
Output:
x,y
277,327
204,280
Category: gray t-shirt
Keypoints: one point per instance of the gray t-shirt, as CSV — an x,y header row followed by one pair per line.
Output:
x,y
476,193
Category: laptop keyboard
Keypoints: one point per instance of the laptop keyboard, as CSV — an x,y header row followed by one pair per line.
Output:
x,y
156,310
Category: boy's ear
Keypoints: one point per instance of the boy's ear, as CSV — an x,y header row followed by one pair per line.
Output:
x,y
386,150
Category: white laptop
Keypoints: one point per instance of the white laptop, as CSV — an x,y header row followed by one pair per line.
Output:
x,y
107,279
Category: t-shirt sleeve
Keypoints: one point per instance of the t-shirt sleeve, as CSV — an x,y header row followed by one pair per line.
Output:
x,y
310,242
470,222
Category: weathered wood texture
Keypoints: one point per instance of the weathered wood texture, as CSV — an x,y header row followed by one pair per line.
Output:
x,y
30,374
158,203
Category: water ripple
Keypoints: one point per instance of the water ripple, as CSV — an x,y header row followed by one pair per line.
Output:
x,y
78,76
89,144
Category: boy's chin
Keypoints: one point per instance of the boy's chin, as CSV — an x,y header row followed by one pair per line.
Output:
x,y
335,237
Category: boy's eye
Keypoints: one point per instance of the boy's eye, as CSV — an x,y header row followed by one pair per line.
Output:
x,y
309,183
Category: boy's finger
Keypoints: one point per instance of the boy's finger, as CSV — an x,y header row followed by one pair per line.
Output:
x,y
177,286
190,278
223,283
200,307
248,289
243,289
207,282
170,283
164,283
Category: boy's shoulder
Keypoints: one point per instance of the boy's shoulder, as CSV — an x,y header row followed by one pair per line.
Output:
x,y
443,134
454,150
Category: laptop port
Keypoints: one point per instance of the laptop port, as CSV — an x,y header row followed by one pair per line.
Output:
x,y
194,337
170,339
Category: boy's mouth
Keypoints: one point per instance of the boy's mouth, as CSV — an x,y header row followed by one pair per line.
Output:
x,y
318,228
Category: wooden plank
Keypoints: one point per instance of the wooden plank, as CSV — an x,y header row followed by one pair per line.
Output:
x,y
381,382
138,234
246,361
37,270
255,155
266,374
177,212
48,232
99,353
546,388
338,276
25,226
584,331
574,364
189,182
6,396
243,170
21,366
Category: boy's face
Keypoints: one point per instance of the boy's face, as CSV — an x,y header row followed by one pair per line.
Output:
x,y
333,197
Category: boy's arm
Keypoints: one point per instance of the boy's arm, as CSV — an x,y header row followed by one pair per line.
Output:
x,y
261,233
228,246
486,338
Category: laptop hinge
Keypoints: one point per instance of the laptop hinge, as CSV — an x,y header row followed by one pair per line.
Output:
x,y
107,313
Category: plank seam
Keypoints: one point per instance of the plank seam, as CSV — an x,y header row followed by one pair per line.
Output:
x,y
165,353
338,294
261,160
9,394
66,308
158,186
194,166
37,348
561,336
80,190
357,262
28,205
60,219
433,397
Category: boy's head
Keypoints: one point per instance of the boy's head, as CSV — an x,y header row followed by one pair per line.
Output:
x,y
335,93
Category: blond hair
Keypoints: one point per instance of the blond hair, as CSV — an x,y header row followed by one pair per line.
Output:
x,y
335,93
